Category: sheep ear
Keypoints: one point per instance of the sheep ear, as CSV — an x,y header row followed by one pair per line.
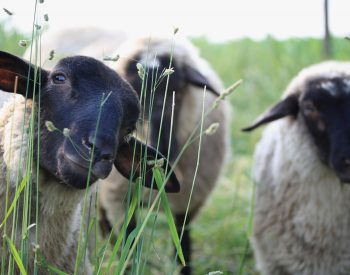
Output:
x,y
12,66
286,107
195,78
129,159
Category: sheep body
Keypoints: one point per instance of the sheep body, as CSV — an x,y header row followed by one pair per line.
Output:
x,y
187,115
301,219
213,147
59,205
3,98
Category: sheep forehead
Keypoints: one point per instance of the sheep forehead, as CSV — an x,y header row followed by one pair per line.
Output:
x,y
331,86
325,71
150,61
87,68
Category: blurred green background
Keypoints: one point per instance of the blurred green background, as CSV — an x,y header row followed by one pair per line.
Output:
x,y
222,230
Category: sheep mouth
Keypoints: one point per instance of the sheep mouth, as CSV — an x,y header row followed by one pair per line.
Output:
x,y
343,175
78,162
80,166
344,178
99,170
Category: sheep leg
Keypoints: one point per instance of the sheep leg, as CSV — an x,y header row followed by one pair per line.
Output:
x,y
185,241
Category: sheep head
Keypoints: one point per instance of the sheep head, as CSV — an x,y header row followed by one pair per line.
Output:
x,y
98,111
158,61
322,104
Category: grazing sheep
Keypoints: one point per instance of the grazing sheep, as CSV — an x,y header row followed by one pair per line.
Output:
x,y
70,97
302,165
191,74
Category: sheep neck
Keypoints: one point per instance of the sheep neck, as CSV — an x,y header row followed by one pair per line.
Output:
x,y
59,221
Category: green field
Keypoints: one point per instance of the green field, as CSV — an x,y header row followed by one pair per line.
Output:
x,y
222,229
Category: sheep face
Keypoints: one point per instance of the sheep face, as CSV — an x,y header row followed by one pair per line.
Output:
x,y
156,83
98,108
77,93
325,108
323,104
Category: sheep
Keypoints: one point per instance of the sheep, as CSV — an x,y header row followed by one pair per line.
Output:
x,y
191,74
301,167
71,97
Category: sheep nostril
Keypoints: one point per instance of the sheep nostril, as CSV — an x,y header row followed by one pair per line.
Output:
x,y
107,157
86,142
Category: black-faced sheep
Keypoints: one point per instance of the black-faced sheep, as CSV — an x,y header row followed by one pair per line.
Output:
x,y
70,97
191,74
301,219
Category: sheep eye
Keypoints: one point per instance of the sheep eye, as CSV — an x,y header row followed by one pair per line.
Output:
x,y
59,78
309,109
131,129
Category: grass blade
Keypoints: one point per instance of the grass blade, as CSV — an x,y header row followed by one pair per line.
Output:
x,y
18,193
126,249
16,256
131,210
42,262
54,270
160,180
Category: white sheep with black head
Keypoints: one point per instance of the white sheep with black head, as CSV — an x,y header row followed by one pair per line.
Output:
x,y
302,171
191,74
70,97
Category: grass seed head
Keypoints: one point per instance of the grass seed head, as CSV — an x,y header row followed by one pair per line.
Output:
x,y
52,55
211,130
7,11
50,126
227,92
168,71
158,163
140,70
114,59
230,89
66,132
23,43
